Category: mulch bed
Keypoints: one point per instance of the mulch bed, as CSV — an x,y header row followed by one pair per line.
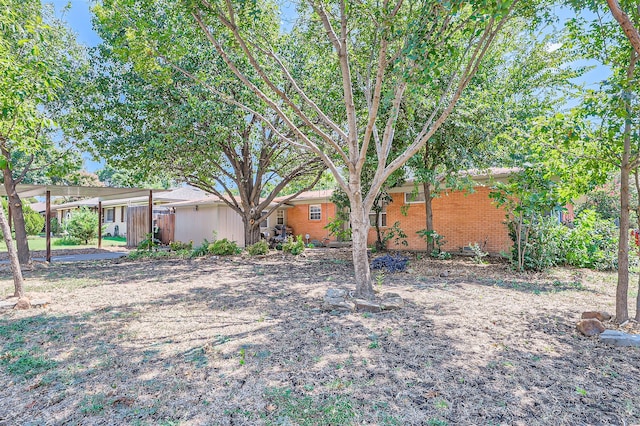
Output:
x,y
234,341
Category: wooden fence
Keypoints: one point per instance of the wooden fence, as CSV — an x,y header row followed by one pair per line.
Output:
x,y
138,225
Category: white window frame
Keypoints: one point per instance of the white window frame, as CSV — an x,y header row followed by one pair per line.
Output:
x,y
382,219
315,209
407,199
279,217
106,217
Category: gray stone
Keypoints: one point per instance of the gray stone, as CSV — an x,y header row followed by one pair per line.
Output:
x,y
335,292
337,304
620,338
363,305
390,295
7,304
392,303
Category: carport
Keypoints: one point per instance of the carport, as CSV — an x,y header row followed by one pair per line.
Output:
x,y
102,193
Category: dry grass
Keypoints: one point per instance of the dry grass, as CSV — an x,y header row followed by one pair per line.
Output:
x,y
243,341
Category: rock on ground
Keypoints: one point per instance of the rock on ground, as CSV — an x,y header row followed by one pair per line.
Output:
x,y
600,316
23,303
620,338
590,327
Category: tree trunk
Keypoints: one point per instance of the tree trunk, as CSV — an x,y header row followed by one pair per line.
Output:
x,y
429,214
636,246
622,311
360,231
638,301
15,205
251,231
18,281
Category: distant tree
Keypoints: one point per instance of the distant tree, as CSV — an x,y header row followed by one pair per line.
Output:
x,y
128,178
82,225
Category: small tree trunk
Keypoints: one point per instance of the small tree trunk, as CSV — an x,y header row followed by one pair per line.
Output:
x,y
251,232
15,205
622,310
638,302
429,215
18,281
360,230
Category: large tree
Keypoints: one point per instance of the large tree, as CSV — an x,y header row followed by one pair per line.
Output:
x,y
38,61
524,76
338,78
184,131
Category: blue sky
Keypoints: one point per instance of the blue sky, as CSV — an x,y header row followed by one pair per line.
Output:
x,y
78,16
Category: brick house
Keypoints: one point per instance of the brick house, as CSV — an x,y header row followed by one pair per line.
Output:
x,y
309,213
462,217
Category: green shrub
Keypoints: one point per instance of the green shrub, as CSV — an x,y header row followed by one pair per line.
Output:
x,y
338,228
224,247
82,225
179,245
438,242
201,250
148,243
259,248
591,243
33,221
543,241
292,246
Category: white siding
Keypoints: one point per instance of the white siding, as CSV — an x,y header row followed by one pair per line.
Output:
x,y
198,225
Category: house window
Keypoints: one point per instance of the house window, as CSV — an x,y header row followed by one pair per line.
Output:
x,y
265,222
382,219
109,215
280,217
315,212
123,209
412,197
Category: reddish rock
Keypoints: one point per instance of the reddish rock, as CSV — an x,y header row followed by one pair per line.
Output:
x,y
600,316
590,327
23,303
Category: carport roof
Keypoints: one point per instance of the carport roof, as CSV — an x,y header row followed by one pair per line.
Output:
x,y
101,192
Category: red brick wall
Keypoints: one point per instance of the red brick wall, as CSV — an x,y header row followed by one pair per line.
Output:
x,y
298,219
461,217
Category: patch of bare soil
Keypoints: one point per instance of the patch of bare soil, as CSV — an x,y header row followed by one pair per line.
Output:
x,y
243,341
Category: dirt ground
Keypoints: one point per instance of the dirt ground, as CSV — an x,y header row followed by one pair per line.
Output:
x,y
243,341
